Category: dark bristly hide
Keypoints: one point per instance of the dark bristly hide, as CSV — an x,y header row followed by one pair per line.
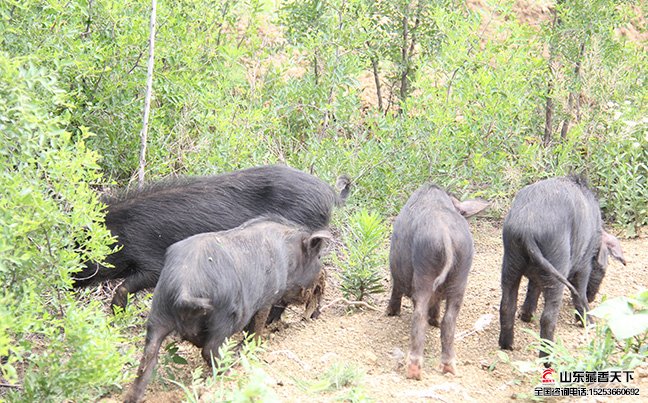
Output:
x,y
146,222
214,284
554,236
429,259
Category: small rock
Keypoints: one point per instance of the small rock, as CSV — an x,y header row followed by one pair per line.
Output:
x,y
328,357
397,354
370,356
641,371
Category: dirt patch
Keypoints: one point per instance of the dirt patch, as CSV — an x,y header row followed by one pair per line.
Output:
x,y
533,12
300,352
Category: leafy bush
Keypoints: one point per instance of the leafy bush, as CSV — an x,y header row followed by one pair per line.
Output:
x,y
344,378
619,340
84,356
619,169
339,376
50,221
364,238
236,377
263,84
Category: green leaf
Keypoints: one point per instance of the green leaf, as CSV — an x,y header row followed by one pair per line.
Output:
x,y
627,326
611,308
503,357
178,359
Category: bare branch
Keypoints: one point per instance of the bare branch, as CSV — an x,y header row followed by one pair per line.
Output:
x,y
147,100
9,385
348,303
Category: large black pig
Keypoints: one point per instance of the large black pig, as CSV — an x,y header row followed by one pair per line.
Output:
x,y
147,222
429,259
213,284
553,235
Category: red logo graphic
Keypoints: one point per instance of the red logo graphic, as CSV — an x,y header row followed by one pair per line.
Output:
x,y
546,375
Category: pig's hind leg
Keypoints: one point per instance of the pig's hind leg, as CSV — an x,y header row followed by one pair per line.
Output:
x,y
260,319
154,337
553,300
421,299
434,310
448,326
399,285
580,280
511,276
394,307
137,281
531,301
221,326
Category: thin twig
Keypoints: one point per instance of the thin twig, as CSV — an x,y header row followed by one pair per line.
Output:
x,y
136,62
9,385
89,21
374,66
58,291
572,94
291,356
349,303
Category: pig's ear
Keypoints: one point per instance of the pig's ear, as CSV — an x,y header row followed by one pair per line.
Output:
x,y
343,186
314,243
468,208
611,245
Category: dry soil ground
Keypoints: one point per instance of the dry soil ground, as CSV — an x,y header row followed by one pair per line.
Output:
x,y
302,351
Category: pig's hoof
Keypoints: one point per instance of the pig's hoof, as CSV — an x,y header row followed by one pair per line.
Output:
x,y
448,368
120,298
580,321
414,371
316,313
393,311
506,343
433,322
131,398
526,317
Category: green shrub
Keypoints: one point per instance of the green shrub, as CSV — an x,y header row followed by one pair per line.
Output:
x,y
83,358
237,376
50,222
619,171
345,379
364,237
618,340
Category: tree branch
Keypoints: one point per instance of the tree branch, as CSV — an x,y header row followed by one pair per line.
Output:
x,y
9,385
572,95
147,100
349,303
374,65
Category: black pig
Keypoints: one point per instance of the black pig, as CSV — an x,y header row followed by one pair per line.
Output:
x,y
553,235
213,284
147,222
430,257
